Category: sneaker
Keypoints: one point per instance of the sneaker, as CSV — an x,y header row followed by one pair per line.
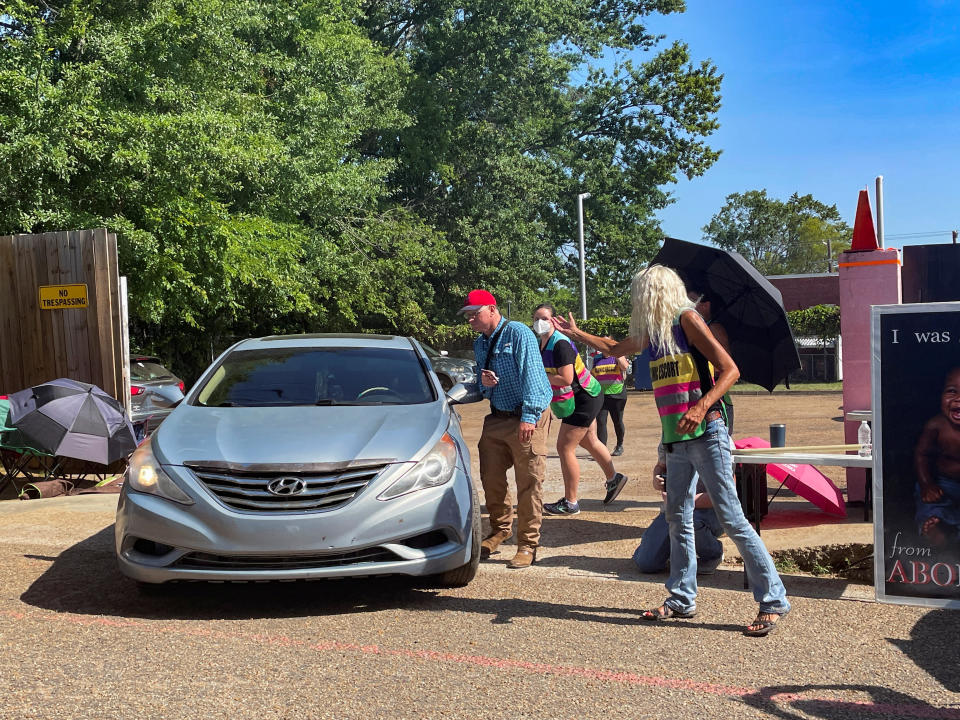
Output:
x,y
561,507
618,450
614,485
708,567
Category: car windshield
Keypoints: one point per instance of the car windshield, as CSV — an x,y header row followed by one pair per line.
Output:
x,y
144,370
317,376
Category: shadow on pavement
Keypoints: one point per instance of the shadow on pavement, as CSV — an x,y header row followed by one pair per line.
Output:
x,y
926,647
576,530
786,515
85,580
788,701
724,578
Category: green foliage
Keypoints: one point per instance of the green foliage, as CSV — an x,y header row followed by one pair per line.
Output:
x,y
615,327
512,118
819,321
800,235
310,165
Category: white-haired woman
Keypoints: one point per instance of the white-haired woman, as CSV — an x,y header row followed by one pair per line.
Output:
x,y
694,436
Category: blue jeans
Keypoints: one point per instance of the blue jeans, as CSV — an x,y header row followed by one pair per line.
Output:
x,y
709,455
654,550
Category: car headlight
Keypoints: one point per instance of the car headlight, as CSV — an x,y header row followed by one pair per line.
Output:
x,y
145,475
436,468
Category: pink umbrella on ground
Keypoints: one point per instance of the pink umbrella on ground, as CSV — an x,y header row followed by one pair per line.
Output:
x,y
805,480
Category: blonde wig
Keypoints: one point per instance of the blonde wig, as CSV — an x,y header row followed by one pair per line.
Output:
x,y
657,296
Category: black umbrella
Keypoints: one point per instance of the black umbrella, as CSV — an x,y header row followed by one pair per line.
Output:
x,y
73,419
744,302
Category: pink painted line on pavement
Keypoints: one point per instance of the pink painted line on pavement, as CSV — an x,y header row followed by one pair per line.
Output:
x,y
915,710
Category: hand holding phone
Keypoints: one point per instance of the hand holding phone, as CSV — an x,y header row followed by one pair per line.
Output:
x,y
489,378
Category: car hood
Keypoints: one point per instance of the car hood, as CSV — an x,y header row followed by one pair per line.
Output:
x,y
299,435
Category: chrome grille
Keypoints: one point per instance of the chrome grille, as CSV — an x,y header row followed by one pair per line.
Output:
x,y
243,490
206,561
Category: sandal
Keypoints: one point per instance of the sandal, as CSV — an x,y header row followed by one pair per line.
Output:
x,y
763,627
665,612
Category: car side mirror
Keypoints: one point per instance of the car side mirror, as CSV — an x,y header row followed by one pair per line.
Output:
x,y
461,394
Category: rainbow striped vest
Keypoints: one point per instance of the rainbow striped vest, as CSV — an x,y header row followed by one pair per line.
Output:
x,y
679,381
563,403
607,373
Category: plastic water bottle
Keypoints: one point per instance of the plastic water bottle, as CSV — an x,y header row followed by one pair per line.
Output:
x,y
863,437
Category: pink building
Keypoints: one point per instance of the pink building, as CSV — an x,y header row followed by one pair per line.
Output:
x,y
803,291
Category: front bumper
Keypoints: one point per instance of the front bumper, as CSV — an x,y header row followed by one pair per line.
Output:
x,y
422,533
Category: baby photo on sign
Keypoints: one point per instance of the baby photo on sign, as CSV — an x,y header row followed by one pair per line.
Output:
x,y
937,459
920,450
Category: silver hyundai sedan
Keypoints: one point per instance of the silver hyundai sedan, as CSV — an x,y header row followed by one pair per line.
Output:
x,y
305,456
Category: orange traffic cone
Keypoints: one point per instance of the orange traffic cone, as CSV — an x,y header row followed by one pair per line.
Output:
x,y
864,236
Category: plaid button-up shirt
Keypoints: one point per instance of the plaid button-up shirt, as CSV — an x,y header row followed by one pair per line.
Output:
x,y
516,361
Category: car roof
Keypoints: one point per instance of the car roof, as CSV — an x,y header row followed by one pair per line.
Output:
x,y
323,340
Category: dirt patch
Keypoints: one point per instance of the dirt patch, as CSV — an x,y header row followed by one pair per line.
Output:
x,y
809,419
851,562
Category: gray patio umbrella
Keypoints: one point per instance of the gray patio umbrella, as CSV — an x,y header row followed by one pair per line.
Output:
x,y
73,419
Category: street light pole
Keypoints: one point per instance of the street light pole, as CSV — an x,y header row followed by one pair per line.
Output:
x,y
583,265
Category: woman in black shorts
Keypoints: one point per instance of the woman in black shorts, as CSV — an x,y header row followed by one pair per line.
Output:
x,y
577,400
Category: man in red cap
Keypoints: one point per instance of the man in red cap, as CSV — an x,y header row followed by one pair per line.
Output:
x,y
515,432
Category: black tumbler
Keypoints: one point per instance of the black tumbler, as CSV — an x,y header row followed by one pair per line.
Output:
x,y
778,435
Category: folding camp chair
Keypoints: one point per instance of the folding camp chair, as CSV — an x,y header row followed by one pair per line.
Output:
x,y
20,462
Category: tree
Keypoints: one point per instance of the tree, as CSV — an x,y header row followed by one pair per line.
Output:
x,y
800,235
222,142
513,116
307,165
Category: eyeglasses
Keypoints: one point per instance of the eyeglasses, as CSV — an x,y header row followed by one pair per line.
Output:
x,y
471,315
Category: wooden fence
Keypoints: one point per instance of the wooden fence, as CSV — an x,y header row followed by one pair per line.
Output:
x,y
61,311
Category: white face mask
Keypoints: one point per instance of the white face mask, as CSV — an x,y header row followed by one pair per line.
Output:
x,y
542,327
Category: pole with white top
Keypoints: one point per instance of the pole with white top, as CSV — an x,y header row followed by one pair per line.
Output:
x,y
880,212
583,266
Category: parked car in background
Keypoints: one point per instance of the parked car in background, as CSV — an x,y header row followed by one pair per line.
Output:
x,y
305,456
451,370
154,390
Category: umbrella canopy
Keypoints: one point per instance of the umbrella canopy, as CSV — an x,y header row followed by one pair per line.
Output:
x,y
73,419
805,480
744,302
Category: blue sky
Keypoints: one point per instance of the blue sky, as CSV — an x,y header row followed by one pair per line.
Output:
x,y
820,97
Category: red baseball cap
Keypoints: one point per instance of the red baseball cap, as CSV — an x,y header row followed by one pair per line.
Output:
x,y
476,299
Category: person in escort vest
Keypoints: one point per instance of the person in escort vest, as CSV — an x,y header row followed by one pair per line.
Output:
x,y
577,399
694,436
611,373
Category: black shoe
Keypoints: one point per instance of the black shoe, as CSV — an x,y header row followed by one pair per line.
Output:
x,y
614,485
561,507
618,450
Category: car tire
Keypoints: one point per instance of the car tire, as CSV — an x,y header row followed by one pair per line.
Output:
x,y
445,382
461,576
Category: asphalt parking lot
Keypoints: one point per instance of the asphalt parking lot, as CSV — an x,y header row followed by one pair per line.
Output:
x,y
563,639
559,640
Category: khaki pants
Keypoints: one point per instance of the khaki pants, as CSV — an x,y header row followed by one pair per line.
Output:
x,y
500,449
